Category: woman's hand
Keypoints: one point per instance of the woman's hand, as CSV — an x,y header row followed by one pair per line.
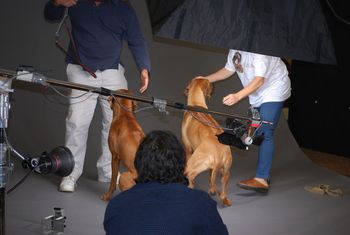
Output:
x,y
234,98
231,99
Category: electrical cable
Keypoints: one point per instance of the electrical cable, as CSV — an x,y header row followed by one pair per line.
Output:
x,y
20,182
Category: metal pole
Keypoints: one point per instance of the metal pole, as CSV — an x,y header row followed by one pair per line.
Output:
x,y
144,99
3,169
40,79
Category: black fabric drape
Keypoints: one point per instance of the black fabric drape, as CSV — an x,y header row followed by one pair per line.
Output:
x,y
286,28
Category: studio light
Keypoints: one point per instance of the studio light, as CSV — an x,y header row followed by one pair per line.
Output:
x,y
59,162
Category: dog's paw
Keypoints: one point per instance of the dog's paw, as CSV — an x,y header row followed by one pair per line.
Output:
x,y
106,197
212,192
226,202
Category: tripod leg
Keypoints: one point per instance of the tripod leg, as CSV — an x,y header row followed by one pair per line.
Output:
x,y
2,211
3,169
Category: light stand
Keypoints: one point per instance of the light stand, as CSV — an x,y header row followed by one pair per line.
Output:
x,y
5,88
59,161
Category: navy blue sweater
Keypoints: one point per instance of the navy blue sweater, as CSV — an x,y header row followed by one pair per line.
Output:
x,y
99,31
169,209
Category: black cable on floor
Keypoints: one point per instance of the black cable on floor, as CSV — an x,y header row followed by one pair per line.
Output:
x,y
19,182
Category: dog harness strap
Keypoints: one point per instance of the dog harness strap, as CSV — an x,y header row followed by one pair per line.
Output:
x,y
205,119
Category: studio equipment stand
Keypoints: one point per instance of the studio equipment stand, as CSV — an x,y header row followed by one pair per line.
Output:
x,y
5,89
59,161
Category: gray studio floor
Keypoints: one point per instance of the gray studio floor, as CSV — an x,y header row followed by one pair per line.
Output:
x,y
287,209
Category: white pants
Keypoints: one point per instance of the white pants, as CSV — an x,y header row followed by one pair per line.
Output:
x,y
81,111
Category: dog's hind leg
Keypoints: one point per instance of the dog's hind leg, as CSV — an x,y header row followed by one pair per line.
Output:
x,y
112,186
129,165
195,165
212,182
225,176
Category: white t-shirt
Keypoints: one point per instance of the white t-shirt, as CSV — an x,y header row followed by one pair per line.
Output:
x,y
276,85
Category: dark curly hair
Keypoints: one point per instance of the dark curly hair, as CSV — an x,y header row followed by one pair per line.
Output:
x,y
160,158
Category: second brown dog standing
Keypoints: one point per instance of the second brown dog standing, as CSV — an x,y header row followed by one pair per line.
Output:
x,y
203,149
124,138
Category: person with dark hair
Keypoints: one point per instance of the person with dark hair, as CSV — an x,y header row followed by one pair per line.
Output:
x,y
161,202
98,31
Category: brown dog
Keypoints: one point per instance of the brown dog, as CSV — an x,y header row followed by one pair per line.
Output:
x,y
199,136
125,135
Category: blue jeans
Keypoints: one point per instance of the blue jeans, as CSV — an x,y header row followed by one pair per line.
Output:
x,y
271,112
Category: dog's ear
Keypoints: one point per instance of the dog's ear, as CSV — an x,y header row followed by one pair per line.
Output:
x,y
208,89
187,89
133,102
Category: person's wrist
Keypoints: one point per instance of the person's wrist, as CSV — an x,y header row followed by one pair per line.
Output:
x,y
239,96
210,79
145,72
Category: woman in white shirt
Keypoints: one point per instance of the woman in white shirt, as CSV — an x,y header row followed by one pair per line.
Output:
x,y
265,81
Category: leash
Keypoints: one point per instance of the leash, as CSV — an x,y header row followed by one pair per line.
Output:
x,y
127,109
207,122
76,58
122,106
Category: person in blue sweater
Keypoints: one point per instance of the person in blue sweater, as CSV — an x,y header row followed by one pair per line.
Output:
x,y
98,29
161,202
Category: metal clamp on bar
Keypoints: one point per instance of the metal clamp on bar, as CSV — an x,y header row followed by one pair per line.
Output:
x,y
105,91
160,105
27,74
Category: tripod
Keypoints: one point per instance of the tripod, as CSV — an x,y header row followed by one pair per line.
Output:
x,y
5,148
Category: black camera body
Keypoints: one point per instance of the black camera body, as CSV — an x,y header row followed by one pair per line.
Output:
x,y
242,133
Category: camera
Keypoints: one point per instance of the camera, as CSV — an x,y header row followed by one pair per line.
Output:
x,y
242,133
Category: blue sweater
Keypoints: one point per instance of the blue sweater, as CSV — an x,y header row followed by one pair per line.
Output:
x,y
169,209
99,31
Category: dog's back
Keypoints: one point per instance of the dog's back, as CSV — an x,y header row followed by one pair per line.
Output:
x,y
125,133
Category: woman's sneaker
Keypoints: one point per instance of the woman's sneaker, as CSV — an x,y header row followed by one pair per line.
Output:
x,y
68,184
